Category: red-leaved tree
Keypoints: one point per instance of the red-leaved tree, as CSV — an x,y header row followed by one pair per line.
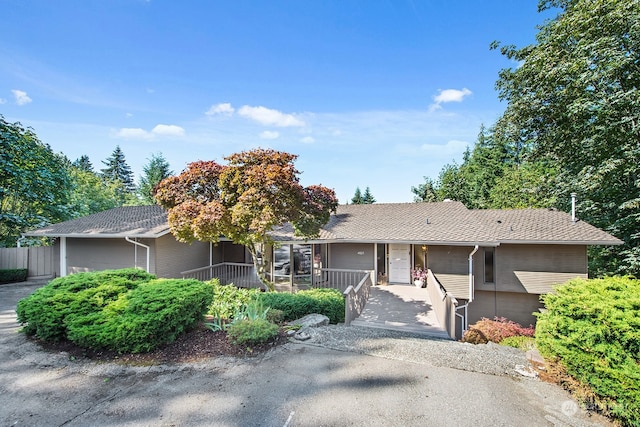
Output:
x,y
243,201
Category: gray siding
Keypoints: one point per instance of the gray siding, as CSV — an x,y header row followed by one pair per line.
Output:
x,y
174,257
449,259
518,307
549,258
353,256
99,254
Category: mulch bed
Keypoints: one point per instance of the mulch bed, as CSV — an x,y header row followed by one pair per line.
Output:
x,y
196,345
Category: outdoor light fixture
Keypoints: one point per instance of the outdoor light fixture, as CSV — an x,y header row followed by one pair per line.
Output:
x,y
424,248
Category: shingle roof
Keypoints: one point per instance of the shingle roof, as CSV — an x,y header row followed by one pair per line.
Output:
x,y
132,221
443,223
452,223
541,226
440,222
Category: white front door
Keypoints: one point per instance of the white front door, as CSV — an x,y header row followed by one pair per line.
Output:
x,y
399,263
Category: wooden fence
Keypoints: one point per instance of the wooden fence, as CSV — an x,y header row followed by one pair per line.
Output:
x,y
37,260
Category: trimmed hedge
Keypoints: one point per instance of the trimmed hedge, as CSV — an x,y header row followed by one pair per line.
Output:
x,y
329,302
144,318
13,275
121,310
592,328
44,313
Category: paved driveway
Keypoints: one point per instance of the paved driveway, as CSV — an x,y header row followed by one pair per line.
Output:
x,y
294,385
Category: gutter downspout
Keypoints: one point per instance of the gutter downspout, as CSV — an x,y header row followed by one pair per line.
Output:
x,y
139,244
465,318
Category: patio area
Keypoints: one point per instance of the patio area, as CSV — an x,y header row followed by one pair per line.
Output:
x,y
401,308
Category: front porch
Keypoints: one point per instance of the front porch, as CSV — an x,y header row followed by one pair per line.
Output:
x,y
397,306
401,307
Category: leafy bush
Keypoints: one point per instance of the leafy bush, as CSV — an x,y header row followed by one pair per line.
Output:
x,y
228,300
122,310
13,275
253,310
154,313
592,328
275,316
251,331
521,342
329,302
496,330
44,313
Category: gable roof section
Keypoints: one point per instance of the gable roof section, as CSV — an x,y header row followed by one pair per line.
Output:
x,y
445,223
132,221
541,226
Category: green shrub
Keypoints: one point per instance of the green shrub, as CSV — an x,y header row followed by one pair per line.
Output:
x,y
521,342
13,275
251,331
485,330
44,313
275,316
228,300
329,302
592,328
154,313
122,310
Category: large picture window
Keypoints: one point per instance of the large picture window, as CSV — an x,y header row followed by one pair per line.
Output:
x,y
292,265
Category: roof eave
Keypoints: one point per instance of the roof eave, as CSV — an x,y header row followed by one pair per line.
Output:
x,y
99,235
563,242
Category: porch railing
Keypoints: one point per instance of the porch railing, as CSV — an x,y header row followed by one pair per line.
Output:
x,y
356,297
241,275
443,303
338,278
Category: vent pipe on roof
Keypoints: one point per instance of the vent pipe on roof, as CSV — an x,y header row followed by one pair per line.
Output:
x,y
573,207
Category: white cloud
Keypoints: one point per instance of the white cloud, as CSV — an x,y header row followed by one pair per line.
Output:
x,y
158,131
268,134
133,133
449,95
267,116
307,140
224,109
21,97
168,130
128,115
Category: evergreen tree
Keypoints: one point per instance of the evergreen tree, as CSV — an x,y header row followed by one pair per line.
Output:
x,y
367,197
83,163
574,99
154,171
425,192
118,170
357,197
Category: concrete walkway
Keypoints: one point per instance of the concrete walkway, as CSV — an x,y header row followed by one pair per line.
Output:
x,y
403,308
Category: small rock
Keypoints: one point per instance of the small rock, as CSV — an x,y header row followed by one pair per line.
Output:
x,y
526,371
311,321
302,336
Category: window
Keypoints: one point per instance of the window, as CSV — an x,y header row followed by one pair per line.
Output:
x,y
489,265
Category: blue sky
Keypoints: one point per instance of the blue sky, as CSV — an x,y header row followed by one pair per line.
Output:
x,y
367,93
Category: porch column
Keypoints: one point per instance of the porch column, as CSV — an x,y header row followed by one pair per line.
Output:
x,y
63,256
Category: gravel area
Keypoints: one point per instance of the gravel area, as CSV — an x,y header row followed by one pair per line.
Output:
x,y
483,358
